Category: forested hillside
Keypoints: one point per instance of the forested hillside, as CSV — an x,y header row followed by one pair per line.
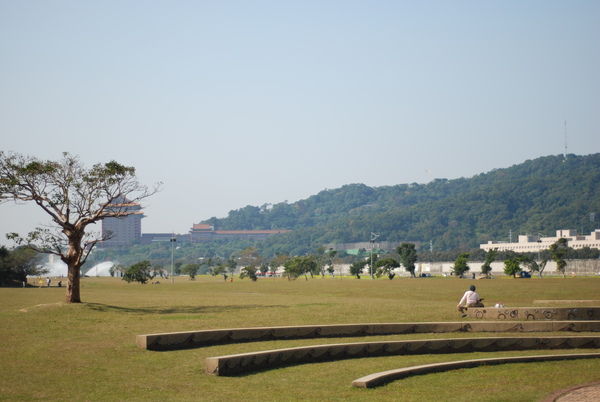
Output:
x,y
537,196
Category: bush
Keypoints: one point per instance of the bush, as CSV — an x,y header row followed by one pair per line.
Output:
x,y
139,272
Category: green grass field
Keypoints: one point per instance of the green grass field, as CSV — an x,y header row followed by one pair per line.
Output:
x,y
53,351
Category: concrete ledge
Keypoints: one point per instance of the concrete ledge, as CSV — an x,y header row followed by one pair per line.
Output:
x,y
535,313
589,302
246,362
196,339
376,379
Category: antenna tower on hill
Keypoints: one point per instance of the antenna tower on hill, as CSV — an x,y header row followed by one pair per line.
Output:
x,y
565,154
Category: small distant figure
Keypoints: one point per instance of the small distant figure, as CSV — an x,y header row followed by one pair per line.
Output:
x,y
59,284
473,275
24,283
48,281
469,299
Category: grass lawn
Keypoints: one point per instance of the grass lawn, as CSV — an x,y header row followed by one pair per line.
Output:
x,y
53,351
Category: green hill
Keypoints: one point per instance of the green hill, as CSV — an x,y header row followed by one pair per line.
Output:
x,y
537,196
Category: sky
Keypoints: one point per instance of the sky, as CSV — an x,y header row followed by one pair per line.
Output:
x,y
234,103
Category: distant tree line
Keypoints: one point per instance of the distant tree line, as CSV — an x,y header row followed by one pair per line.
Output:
x,y
250,264
322,262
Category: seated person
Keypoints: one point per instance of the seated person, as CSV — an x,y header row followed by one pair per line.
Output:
x,y
469,299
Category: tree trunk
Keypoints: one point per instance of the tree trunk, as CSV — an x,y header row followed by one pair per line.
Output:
x,y
73,281
72,259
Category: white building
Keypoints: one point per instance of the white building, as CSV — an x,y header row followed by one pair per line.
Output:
x,y
529,243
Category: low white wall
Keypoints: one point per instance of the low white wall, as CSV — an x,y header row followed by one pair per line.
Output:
x,y
577,267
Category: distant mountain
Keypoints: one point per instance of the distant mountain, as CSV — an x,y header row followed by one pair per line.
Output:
x,y
537,196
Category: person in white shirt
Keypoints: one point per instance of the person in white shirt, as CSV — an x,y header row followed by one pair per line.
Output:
x,y
469,299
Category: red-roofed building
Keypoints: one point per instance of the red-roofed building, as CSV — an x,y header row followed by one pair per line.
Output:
x,y
203,232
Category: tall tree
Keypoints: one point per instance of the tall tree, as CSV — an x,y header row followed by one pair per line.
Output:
x,y
74,197
528,261
191,270
250,261
408,257
249,257
303,265
140,272
512,266
331,253
460,265
321,258
220,269
357,268
277,262
538,267
264,267
490,257
250,272
558,251
386,266
231,265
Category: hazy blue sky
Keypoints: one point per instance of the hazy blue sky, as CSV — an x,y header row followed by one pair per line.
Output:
x,y
235,103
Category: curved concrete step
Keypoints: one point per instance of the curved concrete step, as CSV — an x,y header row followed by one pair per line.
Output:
x,y
384,377
202,338
262,360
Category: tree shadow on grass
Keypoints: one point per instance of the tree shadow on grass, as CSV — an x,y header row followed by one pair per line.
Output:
x,y
106,308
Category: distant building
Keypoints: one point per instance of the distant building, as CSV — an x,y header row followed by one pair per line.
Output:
x,y
149,238
529,243
200,233
354,248
203,232
126,230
